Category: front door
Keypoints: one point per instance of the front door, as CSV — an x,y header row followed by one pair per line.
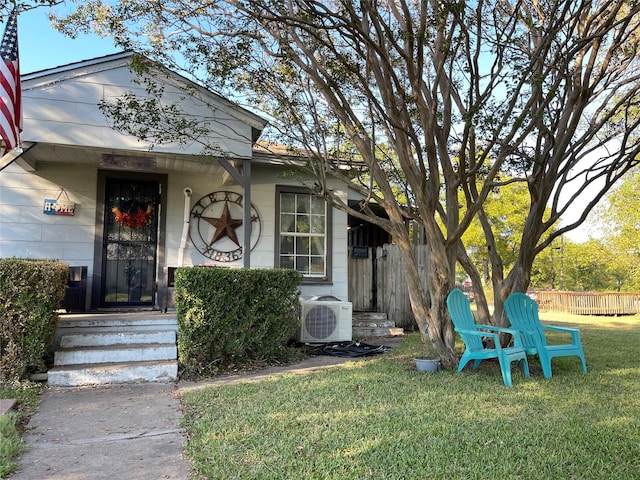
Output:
x,y
130,242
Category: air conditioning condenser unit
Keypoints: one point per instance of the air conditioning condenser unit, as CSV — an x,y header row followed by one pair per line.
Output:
x,y
325,321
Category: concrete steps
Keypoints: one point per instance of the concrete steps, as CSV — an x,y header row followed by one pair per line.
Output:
x,y
373,324
106,353
115,348
76,340
112,373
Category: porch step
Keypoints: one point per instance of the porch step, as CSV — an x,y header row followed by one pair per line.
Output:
x,y
109,373
115,353
368,317
119,337
95,349
369,332
374,324
383,324
112,321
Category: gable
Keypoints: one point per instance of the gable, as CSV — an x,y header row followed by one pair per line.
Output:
x,y
60,106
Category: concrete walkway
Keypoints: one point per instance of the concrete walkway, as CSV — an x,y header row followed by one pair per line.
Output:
x,y
108,432
130,432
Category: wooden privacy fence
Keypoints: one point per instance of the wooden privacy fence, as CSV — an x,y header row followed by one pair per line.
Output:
x,y
588,303
376,283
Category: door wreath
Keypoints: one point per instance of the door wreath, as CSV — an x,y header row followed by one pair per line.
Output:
x,y
133,214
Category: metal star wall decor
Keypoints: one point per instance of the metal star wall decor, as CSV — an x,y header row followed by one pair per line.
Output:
x,y
215,227
225,226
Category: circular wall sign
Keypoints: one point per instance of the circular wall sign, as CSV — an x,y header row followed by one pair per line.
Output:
x,y
216,228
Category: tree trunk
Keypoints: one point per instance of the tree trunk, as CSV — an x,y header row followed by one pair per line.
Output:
x,y
432,319
517,280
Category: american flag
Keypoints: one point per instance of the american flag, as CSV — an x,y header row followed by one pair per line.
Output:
x,y
10,93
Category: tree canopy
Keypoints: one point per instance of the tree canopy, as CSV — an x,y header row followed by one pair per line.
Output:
x,y
445,101
619,218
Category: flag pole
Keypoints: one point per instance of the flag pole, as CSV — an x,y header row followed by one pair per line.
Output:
x,y
10,86
18,143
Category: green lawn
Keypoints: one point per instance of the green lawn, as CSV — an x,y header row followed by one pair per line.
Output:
x,y
11,424
380,419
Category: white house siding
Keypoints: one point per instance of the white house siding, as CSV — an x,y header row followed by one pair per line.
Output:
x,y
62,108
263,197
26,232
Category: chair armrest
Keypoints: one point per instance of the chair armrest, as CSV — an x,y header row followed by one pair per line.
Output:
x,y
560,329
478,333
575,333
514,332
498,329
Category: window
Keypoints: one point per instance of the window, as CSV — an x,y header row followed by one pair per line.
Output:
x,y
303,237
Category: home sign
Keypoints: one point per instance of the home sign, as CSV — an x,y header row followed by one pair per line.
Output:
x,y
59,206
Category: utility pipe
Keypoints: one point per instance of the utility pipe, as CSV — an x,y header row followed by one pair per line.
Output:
x,y
185,226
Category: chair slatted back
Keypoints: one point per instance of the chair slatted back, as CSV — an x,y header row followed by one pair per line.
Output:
x,y
462,318
522,313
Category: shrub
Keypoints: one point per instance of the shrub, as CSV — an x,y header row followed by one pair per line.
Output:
x,y
30,293
234,317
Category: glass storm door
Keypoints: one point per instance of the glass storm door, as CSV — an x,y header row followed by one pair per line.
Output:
x,y
130,242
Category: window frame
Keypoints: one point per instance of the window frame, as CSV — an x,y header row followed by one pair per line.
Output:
x,y
328,237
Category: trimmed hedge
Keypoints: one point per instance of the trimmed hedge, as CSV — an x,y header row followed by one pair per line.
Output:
x,y
228,318
30,293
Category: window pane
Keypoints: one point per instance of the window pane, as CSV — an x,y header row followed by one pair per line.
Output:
x,y
317,224
317,205
287,203
317,246
302,264
286,245
302,246
302,225
287,223
317,265
286,262
304,202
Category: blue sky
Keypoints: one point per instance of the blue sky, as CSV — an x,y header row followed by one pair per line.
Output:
x,y
42,47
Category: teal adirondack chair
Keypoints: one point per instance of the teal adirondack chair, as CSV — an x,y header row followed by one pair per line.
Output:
x,y
522,313
472,335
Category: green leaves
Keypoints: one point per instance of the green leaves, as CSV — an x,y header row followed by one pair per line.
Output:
x,y
30,293
232,317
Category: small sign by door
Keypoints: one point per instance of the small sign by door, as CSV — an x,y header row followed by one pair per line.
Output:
x,y
59,206
360,252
